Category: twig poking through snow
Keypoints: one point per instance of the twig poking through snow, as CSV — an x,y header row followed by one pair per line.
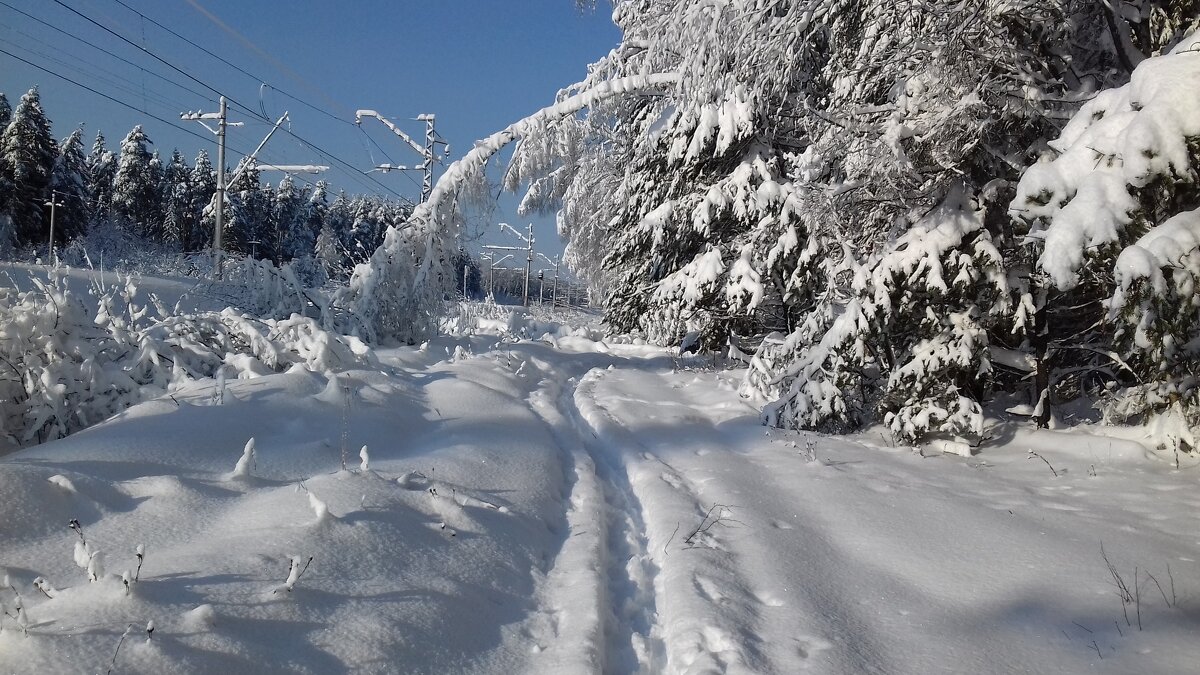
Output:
x,y
44,586
1033,454
295,571
723,511
1171,601
345,423
116,651
141,557
1119,582
366,459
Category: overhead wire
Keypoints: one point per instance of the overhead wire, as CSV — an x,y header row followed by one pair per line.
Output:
x,y
119,83
236,67
102,49
119,102
355,173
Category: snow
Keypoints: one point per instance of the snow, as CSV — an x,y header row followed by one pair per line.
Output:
x,y
543,498
1123,138
1175,243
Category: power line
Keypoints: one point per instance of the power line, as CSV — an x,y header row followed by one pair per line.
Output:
x,y
114,80
110,98
234,65
241,70
102,49
266,56
353,171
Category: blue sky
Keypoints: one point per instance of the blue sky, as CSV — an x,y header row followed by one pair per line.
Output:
x,y
477,64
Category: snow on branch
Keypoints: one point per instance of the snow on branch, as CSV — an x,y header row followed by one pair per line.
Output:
x,y
398,291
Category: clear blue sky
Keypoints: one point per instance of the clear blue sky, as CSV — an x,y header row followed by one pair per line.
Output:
x,y
477,64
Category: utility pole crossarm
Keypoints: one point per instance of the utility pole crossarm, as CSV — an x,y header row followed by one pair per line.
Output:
x,y
427,152
294,168
358,115
513,231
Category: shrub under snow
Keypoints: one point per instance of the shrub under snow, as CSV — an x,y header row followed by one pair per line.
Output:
x,y
1120,200
68,360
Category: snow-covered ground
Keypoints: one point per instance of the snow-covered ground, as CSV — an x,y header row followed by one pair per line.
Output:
x,y
568,504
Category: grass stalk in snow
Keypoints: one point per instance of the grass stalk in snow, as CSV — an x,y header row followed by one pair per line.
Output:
x,y
1172,601
1033,454
1118,581
117,651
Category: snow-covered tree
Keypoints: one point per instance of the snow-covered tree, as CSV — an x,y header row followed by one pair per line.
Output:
x,y
135,199
249,223
290,237
29,152
5,112
203,181
179,216
1114,210
8,234
68,185
102,168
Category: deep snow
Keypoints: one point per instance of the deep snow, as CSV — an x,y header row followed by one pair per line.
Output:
x,y
531,505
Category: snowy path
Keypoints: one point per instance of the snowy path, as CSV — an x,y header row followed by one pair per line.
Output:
x,y
533,507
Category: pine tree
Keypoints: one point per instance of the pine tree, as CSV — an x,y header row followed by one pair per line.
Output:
x,y
291,238
249,224
8,235
135,186
5,112
29,152
203,190
68,186
102,168
176,197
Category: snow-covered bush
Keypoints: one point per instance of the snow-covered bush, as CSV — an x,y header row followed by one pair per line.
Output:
x,y
65,366
910,343
1116,210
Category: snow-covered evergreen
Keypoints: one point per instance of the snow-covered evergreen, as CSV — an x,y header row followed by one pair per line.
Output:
x,y
28,152
135,185
1113,210
69,187
102,167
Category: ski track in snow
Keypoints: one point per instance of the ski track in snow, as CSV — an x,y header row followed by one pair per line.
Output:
x,y
536,507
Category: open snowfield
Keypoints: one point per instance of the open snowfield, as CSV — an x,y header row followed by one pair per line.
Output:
x,y
535,499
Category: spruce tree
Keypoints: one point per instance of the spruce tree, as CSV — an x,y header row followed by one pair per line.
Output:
x,y
5,112
102,168
291,238
7,235
29,152
68,185
176,197
249,224
203,190
135,185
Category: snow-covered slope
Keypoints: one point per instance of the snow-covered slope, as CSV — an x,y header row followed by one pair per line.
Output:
x,y
540,506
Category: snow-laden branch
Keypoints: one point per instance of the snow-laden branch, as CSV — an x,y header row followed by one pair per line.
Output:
x,y
392,299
